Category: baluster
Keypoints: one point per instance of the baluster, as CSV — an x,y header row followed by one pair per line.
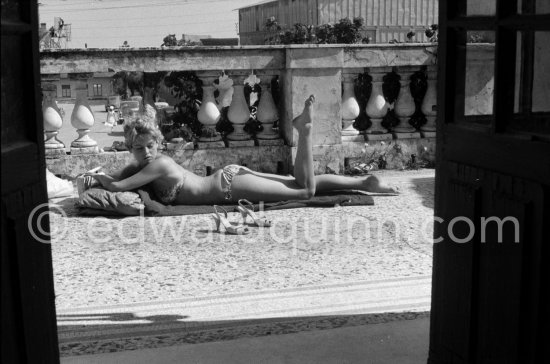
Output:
x,y
238,114
429,105
404,109
268,114
377,108
350,110
53,120
82,119
225,89
209,115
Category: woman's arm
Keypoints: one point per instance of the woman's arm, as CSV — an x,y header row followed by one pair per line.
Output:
x,y
125,172
149,173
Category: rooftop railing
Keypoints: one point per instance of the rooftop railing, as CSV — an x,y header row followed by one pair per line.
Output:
x,y
371,94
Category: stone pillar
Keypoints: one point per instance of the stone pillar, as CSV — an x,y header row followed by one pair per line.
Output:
x,y
326,85
53,121
268,114
404,108
209,114
350,110
377,108
316,71
429,107
238,114
82,118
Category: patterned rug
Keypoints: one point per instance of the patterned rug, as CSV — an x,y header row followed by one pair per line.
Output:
x,y
89,330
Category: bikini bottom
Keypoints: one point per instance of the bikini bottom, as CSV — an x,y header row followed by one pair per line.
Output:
x,y
228,172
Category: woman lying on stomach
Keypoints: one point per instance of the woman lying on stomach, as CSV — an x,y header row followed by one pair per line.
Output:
x,y
175,185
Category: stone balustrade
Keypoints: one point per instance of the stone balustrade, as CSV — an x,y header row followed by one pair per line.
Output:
x,y
53,120
368,96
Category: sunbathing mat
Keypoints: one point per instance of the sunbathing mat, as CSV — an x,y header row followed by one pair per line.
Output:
x,y
89,330
337,198
155,208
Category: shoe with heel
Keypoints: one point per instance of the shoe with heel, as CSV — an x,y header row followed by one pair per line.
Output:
x,y
246,208
85,181
221,220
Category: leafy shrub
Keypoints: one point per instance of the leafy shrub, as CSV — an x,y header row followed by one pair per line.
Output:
x,y
432,33
325,34
348,32
171,41
187,87
124,81
345,31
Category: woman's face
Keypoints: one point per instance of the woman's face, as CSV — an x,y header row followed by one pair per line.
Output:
x,y
144,149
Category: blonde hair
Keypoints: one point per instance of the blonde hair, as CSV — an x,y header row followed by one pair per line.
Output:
x,y
142,124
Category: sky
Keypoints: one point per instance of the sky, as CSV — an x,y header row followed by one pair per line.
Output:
x,y
142,23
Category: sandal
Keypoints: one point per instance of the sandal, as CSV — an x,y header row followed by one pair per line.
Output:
x,y
246,208
222,220
85,181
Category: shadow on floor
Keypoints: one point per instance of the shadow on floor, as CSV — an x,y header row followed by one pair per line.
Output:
x,y
125,317
396,342
95,333
425,187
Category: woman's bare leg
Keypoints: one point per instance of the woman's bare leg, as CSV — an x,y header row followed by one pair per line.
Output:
x,y
267,187
331,182
303,165
256,186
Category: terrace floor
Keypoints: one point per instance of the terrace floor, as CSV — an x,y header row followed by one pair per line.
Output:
x,y
175,285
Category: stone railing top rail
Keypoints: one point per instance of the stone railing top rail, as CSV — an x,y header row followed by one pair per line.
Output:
x,y
269,46
271,57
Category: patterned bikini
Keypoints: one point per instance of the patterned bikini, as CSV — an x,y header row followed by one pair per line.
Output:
x,y
228,172
169,195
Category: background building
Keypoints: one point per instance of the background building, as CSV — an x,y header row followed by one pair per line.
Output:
x,y
100,85
385,20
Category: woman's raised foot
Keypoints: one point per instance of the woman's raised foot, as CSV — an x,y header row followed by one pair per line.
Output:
x,y
303,121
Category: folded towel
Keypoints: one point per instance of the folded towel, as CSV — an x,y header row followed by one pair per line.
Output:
x,y
100,202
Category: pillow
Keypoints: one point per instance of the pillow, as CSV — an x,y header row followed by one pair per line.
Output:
x,y
107,202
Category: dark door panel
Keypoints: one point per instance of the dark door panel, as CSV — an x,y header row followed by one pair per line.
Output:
x,y
490,282
28,309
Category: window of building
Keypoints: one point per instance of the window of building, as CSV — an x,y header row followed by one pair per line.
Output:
x,y
65,90
97,89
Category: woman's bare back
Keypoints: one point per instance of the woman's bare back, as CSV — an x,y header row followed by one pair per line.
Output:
x,y
199,190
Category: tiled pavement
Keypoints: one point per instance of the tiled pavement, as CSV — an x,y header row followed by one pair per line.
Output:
x,y
314,269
